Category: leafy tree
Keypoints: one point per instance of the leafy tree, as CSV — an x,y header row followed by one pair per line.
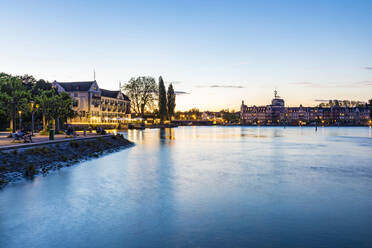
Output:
x,y
27,80
230,117
171,101
162,100
14,97
142,93
46,102
61,108
194,113
4,97
39,86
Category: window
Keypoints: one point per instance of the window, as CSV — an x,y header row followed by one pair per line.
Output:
x,y
75,103
76,94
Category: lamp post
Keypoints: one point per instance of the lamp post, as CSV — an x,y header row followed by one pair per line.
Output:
x,y
20,119
33,107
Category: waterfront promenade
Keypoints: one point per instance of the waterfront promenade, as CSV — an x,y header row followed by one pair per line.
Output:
x,y
7,143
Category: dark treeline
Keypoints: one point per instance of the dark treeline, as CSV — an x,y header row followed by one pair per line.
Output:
x,y
342,103
24,96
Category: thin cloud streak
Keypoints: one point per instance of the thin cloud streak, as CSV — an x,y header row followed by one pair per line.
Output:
x,y
227,86
368,67
360,84
181,93
224,86
303,83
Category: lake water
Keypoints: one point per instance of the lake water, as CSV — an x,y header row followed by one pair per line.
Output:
x,y
204,187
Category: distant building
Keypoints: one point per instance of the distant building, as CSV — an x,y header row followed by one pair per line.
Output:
x,y
278,114
215,117
96,105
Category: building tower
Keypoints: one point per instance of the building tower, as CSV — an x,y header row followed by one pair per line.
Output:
x,y
277,108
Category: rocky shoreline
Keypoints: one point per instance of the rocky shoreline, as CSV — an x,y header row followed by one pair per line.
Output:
x,y
21,163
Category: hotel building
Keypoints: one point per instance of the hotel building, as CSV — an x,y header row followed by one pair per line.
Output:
x,y
278,114
95,105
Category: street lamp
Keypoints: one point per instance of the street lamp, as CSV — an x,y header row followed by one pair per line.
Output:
x,y
33,107
20,119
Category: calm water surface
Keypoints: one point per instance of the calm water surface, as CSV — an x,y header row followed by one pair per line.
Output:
x,y
204,187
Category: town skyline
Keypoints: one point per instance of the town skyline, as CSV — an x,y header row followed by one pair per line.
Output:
x,y
216,54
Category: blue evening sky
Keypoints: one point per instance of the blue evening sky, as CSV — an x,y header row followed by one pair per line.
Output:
x,y
220,52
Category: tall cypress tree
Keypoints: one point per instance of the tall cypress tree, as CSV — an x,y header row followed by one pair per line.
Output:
x,y
171,101
162,100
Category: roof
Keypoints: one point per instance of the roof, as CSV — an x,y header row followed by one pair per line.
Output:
x,y
125,97
109,93
76,86
86,85
112,94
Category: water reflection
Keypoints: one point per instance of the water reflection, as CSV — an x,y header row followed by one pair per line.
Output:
x,y
166,134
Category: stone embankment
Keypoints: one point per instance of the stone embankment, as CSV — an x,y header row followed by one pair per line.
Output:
x,y
26,162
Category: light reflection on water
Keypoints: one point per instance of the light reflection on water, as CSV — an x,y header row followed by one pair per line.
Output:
x,y
204,187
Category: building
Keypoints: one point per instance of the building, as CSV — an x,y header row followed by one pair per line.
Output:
x,y
278,114
95,105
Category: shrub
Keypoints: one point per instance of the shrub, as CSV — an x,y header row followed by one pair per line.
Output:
x,y
39,150
64,158
3,182
30,171
44,132
45,150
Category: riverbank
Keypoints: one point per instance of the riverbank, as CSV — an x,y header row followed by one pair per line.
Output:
x,y
28,161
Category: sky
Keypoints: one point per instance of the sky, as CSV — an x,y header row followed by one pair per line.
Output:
x,y
216,53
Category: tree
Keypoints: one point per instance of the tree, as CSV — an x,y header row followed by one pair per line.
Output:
x,y
27,80
171,101
39,86
370,108
194,113
230,117
142,93
61,108
46,101
14,97
162,100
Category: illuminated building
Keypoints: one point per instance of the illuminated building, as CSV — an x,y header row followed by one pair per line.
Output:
x,y
278,114
95,105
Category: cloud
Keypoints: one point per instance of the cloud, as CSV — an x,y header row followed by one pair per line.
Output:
x,y
181,93
303,83
226,86
368,67
364,83
321,100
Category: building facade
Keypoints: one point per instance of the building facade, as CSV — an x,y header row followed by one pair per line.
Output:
x,y
278,114
95,105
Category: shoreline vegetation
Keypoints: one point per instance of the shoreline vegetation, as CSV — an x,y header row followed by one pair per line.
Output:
x,y
26,163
